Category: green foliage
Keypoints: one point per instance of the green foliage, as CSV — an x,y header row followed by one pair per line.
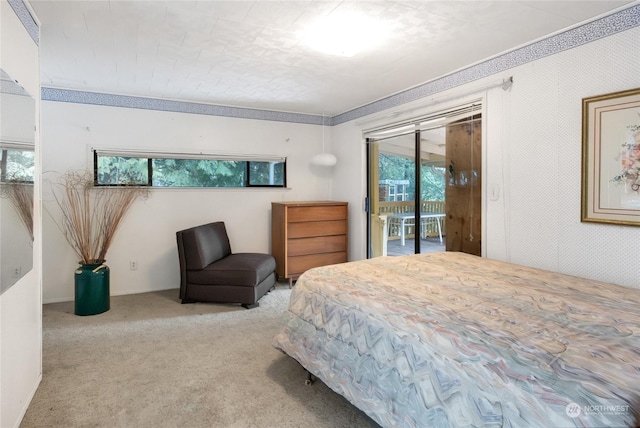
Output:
x,y
19,165
433,183
122,170
260,173
173,172
400,168
198,173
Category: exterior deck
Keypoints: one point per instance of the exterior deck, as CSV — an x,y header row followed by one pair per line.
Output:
x,y
429,230
429,245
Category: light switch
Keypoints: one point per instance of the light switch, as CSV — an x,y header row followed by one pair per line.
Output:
x,y
494,192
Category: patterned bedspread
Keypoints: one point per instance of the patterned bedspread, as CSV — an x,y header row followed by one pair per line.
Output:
x,y
453,340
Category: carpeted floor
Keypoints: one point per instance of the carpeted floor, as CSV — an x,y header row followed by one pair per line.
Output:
x,y
153,362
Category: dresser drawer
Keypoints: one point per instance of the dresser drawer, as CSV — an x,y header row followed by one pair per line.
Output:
x,y
317,245
299,264
307,234
317,213
316,228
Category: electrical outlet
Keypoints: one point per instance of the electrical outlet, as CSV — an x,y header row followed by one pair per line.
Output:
x,y
133,265
16,272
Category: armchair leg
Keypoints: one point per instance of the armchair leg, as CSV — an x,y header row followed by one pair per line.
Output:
x,y
250,306
187,301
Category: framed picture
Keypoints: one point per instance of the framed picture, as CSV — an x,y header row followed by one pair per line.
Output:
x,y
611,158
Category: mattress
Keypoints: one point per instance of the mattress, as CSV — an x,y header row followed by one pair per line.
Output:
x,y
454,340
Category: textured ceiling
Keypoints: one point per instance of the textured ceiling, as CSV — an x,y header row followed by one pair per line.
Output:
x,y
251,53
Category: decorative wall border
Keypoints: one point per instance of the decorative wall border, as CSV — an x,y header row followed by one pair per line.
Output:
x,y
21,10
589,32
9,86
96,98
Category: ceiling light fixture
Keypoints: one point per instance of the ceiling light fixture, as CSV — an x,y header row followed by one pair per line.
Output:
x,y
344,35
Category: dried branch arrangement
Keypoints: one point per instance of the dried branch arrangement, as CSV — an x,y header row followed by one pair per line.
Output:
x,y
91,215
21,196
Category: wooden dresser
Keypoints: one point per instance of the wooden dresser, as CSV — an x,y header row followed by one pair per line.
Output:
x,y
306,235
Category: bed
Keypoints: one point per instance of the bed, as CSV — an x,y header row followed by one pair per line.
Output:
x,y
454,340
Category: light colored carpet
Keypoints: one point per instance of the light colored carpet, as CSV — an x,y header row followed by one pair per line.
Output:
x,y
153,362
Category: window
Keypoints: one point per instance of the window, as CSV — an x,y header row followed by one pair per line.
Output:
x,y
16,164
393,190
184,170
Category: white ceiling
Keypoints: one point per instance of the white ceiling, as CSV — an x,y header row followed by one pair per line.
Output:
x,y
250,53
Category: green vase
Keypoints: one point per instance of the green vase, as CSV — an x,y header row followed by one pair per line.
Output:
x,y
92,289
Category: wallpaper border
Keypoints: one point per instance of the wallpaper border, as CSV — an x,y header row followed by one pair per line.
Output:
x,y
21,10
110,100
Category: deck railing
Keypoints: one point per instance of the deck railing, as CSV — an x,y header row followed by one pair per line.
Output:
x,y
429,225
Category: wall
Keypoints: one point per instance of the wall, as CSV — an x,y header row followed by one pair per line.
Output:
x,y
21,305
69,130
532,151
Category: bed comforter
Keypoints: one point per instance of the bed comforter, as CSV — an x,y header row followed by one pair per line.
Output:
x,y
453,340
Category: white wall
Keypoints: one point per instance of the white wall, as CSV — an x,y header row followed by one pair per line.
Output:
x,y
21,305
533,149
148,234
17,116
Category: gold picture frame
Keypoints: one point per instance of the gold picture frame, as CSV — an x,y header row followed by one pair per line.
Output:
x,y
611,158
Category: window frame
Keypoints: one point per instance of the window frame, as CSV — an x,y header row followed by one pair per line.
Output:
x,y
150,157
5,148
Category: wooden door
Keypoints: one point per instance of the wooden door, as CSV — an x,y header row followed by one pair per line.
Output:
x,y
463,199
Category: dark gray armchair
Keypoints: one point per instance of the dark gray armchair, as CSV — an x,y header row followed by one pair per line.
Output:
x,y
210,272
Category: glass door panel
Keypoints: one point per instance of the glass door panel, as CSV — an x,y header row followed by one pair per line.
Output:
x,y
393,189
432,145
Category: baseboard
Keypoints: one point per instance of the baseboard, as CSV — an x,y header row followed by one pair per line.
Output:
x,y
57,300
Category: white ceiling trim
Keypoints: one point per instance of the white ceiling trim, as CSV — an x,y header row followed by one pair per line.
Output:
x,y
611,24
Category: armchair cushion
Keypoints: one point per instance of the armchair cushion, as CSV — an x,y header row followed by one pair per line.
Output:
x,y
210,272
243,269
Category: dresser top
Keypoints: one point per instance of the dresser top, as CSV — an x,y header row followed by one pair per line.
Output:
x,y
308,203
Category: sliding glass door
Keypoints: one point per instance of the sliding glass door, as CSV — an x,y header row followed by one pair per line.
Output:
x,y
411,167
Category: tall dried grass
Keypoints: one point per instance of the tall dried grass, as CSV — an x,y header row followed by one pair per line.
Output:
x,y
21,196
92,214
